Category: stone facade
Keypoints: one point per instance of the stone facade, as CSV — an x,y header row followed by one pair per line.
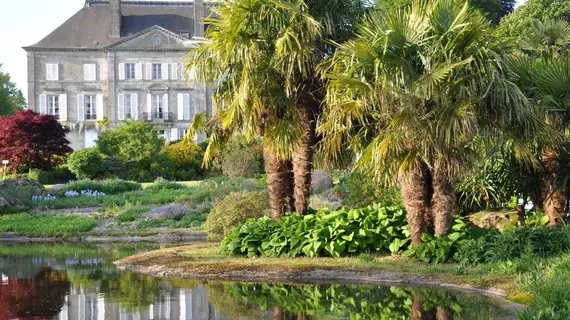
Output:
x,y
117,60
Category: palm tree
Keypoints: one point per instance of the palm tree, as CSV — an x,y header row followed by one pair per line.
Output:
x,y
266,53
412,91
337,18
544,73
257,50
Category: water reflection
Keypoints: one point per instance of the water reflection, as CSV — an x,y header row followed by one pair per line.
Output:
x,y
80,282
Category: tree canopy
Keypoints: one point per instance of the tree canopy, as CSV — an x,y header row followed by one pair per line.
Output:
x,y
524,18
134,140
11,98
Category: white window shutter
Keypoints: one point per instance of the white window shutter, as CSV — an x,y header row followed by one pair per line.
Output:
x,y
187,114
180,101
86,75
135,106
165,71
173,134
121,106
56,71
99,107
122,71
80,107
165,101
138,71
149,106
174,71
149,71
49,76
43,103
62,107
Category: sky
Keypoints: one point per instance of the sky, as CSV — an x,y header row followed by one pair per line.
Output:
x,y
26,22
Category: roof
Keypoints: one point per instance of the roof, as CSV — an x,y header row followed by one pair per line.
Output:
x,y
89,27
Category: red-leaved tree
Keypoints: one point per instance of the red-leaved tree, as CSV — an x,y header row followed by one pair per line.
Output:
x,y
36,141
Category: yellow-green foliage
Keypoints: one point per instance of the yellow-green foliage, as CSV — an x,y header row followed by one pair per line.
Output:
x,y
184,152
187,158
234,210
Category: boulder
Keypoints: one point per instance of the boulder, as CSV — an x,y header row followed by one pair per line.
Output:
x,y
36,187
55,188
4,203
497,219
169,211
321,181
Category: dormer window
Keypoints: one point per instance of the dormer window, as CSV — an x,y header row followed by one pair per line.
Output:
x,y
185,34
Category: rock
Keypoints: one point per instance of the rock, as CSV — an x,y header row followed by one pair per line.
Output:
x,y
321,181
4,203
36,187
497,219
55,188
169,211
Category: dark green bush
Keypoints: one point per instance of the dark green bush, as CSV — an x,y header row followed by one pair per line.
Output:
x,y
333,233
159,165
86,163
233,210
361,190
114,167
60,174
109,187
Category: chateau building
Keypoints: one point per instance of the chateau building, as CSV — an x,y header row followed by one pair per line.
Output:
x,y
117,60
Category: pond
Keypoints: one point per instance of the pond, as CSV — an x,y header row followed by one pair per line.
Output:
x,y
64,281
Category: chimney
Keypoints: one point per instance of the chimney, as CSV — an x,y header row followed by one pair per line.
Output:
x,y
198,16
115,18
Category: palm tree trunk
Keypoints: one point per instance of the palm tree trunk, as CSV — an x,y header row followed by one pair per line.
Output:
x,y
554,199
303,159
290,185
414,187
278,184
442,202
444,314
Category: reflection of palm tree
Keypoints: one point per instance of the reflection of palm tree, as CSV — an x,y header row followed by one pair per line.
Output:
x,y
419,313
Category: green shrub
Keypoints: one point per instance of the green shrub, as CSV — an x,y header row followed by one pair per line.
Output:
x,y
114,167
242,163
159,165
132,141
439,249
187,158
361,190
233,210
60,174
86,163
513,244
241,158
332,233
163,184
109,187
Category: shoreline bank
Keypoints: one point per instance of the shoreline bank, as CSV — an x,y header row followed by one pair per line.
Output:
x,y
194,262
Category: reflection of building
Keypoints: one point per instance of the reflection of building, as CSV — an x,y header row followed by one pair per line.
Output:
x,y
175,303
